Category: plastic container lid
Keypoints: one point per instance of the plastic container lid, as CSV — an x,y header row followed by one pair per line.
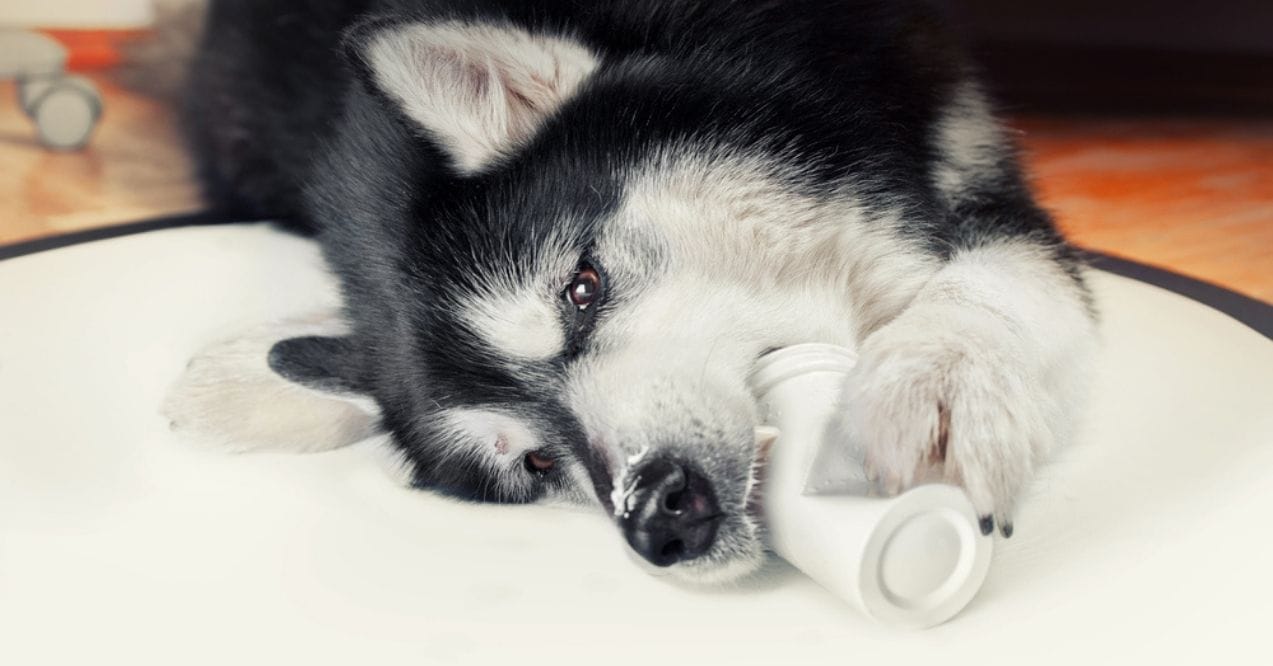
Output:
x,y
925,559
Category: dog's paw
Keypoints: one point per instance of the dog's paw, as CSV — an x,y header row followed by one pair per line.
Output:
x,y
949,395
229,396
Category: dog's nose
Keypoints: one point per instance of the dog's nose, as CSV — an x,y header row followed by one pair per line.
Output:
x,y
670,514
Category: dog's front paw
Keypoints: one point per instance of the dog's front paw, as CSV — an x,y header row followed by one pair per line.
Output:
x,y
947,396
232,397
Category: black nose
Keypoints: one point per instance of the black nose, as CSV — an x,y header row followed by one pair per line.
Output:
x,y
670,514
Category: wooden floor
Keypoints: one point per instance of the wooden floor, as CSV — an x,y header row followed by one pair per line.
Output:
x,y
132,169
1195,196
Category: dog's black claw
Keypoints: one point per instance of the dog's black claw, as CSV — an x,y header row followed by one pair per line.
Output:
x,y
987,525
1006,530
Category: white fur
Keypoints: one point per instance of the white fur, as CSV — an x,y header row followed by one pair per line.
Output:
x,y
737,220
719,257
480,90
522,325
229,397
1001,339
970,142
492,439
743,263
500,436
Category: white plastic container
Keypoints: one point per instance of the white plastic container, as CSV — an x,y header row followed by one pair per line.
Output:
x,y
914,560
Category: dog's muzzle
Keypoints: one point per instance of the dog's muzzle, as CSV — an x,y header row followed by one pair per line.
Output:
x,y
671,513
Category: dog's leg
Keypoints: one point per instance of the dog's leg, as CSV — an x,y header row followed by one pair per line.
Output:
x,y
982,374
279,387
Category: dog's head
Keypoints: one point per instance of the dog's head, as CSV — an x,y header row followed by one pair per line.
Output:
x,y
572,310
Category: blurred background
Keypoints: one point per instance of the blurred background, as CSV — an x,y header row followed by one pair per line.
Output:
x,y
1147,125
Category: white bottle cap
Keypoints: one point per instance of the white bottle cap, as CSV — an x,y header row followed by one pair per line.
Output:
x,y
914,560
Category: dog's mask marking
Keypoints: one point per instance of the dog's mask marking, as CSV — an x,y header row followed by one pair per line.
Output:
x,y
479,90
490,433
524,326
494,441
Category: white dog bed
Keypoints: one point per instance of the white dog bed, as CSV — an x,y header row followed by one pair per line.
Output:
x,y
122,542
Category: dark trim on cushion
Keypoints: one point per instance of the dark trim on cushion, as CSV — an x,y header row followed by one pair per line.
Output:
x,y
103,233
1255,313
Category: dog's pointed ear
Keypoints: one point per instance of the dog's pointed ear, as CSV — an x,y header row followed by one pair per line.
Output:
x,y
479,90
254,392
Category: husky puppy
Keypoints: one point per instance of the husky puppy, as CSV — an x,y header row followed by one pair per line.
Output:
x,y
566,230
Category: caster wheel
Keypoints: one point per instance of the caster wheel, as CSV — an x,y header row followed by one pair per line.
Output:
x,y
65,112
29,91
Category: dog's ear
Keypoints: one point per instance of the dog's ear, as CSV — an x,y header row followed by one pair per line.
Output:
x,y
479,90
254,392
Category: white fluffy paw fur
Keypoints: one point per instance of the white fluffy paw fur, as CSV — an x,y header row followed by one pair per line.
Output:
x,y
937,399
229,398
975,383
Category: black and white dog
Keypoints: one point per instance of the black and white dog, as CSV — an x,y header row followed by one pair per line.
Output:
x,y
566,229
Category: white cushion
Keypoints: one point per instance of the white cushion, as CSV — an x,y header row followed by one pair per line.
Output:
x,y
1150,542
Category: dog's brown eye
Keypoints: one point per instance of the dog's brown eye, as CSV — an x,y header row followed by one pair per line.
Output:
x,y
585,287
536,462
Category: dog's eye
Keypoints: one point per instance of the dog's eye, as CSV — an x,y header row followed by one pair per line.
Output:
x,y
538,463
585,287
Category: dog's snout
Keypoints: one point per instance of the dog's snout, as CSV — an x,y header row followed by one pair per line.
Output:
x,y
671,514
